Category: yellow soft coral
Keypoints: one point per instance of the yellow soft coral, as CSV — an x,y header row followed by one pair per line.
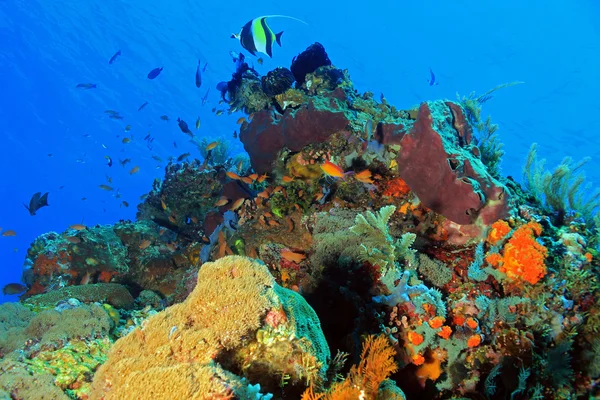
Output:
x,y
523,257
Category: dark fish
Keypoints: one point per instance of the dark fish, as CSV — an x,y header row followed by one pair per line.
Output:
x,y
86,86
223,87
37,201
183,157
431,79
164,117
142,106
14,288
198,75
184,127
124,162
109,161
154,73
175,144
115,116
257,37
114,57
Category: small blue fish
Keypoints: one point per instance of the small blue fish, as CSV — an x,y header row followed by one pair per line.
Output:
x,y
154,73
205,98
142,106
114,57
86,86
431,79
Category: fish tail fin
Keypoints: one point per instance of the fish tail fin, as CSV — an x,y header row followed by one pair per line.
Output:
x,y
278,38
28,209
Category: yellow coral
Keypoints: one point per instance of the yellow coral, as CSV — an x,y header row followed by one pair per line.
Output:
x,y
171,356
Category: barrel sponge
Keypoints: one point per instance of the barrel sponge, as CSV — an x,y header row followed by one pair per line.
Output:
x,y
186,350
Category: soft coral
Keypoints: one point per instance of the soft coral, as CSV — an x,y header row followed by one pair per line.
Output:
x,y
523,257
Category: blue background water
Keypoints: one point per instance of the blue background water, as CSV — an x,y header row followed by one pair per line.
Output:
x,y
48,47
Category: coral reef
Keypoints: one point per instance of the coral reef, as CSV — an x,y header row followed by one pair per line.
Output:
x,y
350,221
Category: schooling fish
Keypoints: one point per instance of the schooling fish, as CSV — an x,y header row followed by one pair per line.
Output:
x,y
256,36
184,127
198,75
164,118
114,57
154,73
109,161
142,106
13,288
86,86
37,201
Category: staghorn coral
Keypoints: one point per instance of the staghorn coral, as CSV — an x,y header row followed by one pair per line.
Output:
x,y
175,354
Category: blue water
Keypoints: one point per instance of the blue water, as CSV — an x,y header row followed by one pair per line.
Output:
x,y
48,47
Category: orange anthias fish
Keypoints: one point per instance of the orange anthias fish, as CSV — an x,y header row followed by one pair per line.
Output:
x,y
330,169
291,256
262,178
237,204
212,146
364,176
9,232
232,175
222,201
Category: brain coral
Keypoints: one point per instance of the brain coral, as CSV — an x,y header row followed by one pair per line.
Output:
x,y
237,320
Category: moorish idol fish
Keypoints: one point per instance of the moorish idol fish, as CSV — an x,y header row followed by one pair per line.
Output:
x,y
256,36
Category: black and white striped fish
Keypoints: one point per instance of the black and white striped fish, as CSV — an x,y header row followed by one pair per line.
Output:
x,y
257,37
